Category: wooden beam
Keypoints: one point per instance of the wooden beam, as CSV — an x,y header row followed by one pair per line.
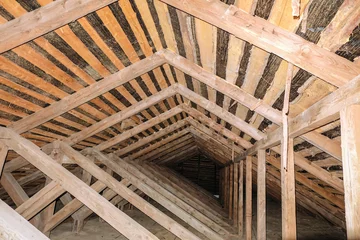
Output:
x,y
261,195
138,129
246,99
13,226
45,19
152,137
127,194
324,111
289,46
120,221
3,154
72,207
248,201
40,200
86,94
350,130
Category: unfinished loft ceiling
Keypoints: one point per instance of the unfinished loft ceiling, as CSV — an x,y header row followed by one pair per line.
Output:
x,y
148,82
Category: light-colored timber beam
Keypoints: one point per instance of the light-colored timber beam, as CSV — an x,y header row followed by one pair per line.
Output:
x,y
246,99
45,19
40,200
261,195
324,111
248,200
73,206
86,94
13,226
350,132
119,220
127,194
271,38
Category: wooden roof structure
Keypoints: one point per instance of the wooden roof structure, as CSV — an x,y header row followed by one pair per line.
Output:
x,y
120,88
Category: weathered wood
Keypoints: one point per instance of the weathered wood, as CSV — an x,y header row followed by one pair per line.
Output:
x,y
127,194
288,205
76,187
50,17
248,201
236,193
350,142
86,94
3,154
324,64
13,226
261,195
40,200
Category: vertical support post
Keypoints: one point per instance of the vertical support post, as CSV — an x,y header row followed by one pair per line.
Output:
x,y
261,195
288,203
241,200
248,195
3,154
231,191
236,193
350,143
226,188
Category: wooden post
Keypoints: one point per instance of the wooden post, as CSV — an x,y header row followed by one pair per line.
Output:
x,y
248,195
261,195
350,142
3,154
236,193
241,200
231,190
288,194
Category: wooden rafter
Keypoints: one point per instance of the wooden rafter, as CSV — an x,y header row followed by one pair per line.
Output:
x,y
273,39
44,20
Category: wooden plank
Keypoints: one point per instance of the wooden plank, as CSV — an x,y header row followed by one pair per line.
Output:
x,y
52,16
120,221
248,201
324,64
261,195
13,226
288,205
127,194
351,162
86,94
236,193
3,154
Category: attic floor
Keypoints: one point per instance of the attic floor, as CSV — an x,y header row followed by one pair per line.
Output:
x,y
309,227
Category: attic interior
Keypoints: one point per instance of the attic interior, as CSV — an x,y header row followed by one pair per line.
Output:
x,y
168,119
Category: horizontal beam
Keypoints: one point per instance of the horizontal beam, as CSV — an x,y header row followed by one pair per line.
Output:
x,y
318,61
45,19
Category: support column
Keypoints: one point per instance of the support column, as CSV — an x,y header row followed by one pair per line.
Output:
x,y
248,195
236,193
241,200
288,203
261,195
350,143
231,191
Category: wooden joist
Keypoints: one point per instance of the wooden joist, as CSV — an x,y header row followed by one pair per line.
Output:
x,y
289,46
120,221
3,154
